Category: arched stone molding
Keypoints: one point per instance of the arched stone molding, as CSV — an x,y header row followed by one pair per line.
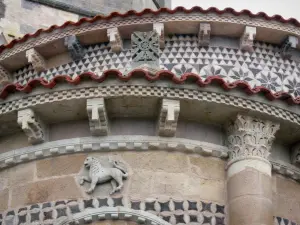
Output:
x,y
112,213
110,143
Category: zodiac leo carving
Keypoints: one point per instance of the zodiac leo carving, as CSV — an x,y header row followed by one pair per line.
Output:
x,y
99,174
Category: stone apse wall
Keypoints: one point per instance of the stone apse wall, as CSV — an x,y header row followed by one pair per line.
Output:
x,y
199,124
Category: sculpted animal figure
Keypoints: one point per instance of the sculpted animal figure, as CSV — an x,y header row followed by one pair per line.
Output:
x,y
99,174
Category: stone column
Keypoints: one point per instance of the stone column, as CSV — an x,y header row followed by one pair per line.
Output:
x,y
249,185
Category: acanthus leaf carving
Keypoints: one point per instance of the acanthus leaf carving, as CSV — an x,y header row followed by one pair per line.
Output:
x,y
250,137
33,127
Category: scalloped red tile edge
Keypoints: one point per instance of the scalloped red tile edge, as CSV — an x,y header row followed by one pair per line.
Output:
x,y
185,78
278,18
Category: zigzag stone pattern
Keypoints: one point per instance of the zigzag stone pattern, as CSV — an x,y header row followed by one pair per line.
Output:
x,y
263,67
171,210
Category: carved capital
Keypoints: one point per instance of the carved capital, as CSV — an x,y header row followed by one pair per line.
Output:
x,y
287,45
295,155
250,137
115,39
204,34
74,47
168,117
36,59
159,29
98,121
32,126
246,40
5,76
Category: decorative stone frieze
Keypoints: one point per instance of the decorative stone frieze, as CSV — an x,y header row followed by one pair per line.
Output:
x,y
154,210
167,122
246,40
32,126
204,34
98,174
115,39
5,76
287,45
98,121
74,47
36,59
159,29
295,155
145,51
250,137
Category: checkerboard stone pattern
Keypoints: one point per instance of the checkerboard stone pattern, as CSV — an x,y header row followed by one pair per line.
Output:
x,y
172,211
263,67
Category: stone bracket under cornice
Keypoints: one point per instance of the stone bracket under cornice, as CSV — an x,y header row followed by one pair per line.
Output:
x,y
98,119
37,61
32,126
160,30
115,39
110,143
74,47
289,43
246,40
168,117
204,34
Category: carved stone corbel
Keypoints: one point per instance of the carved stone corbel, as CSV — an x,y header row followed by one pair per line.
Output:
x,y
246,40
115,39
168,117
295,155
32,126
98,121
287,45
36,59
204,34
74,47
250,137
5,76
159,29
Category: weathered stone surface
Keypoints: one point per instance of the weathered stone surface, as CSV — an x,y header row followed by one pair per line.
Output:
x,y
170,184
205,189
21,174
62,165
246,183
141,183
44,191
3,200
286,198
207,167
174,162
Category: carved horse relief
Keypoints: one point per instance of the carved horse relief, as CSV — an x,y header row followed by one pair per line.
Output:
x,y
99,174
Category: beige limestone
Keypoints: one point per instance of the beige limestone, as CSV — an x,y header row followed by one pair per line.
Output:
x,y
61,165
3,200
250,210
141,183
207,167
205,189
249,194
44,191
174,162
286,198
